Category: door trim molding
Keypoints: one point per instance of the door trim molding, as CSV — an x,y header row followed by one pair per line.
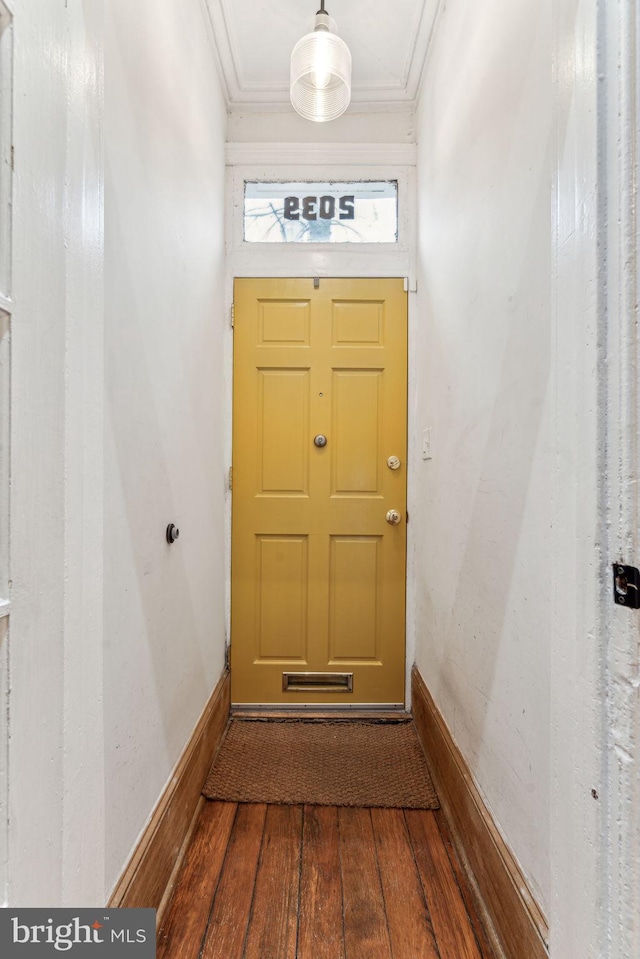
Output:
x,y
509,909
147,878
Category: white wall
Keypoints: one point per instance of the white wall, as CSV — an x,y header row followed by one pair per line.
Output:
x,y
56,806
115,640
618,244
396,124
595,849
6,68
481,507
579,903
165,381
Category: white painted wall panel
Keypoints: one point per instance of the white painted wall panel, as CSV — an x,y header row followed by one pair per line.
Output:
x,y
4,765
37,503
83,764
6,142
282,125
596,716
55,723
164,447
481,507
577,906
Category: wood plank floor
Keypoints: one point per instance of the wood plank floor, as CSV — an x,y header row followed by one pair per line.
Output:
x,y
320,882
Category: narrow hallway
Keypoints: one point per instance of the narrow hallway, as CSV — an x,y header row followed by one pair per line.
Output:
x,y
320,882
326,405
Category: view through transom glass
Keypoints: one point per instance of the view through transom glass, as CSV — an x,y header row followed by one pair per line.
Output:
x,y
338,212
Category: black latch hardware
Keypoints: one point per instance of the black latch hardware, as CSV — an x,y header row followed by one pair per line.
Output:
x,y
626,586
172,533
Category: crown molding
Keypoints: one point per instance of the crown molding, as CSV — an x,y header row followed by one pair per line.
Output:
x,y
359,107
281,106
262,94
424,34
220,40
241,92
324,154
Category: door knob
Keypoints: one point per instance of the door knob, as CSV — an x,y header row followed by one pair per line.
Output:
x,y
320,440
393,517
393,463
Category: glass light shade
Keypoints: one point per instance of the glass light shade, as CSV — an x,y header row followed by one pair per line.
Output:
x,y
320,80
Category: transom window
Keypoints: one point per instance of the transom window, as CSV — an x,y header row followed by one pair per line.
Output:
x,y
364,211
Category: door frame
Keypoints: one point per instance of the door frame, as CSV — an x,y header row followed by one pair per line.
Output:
x,y
363,261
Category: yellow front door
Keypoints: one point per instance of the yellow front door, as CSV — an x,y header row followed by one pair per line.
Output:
x,y
319,467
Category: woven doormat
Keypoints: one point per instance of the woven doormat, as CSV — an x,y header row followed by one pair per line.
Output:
x,y
327,763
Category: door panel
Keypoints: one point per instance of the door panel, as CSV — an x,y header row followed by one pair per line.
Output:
x,y
283,426
281,586
284,322
355,429
318,575
356,323
354,579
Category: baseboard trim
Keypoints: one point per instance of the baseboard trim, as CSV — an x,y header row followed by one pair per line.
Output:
x,y
515,919
147,876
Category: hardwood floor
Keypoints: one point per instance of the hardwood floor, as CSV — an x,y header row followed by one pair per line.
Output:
x,y
320,882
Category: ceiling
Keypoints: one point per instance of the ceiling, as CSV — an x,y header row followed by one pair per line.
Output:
x,y
388,40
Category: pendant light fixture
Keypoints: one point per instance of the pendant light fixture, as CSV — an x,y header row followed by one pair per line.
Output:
x,y
320,81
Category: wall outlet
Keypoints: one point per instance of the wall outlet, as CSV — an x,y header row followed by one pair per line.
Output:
x,y
426,444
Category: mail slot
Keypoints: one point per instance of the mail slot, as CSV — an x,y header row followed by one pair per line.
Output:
x,y
317,682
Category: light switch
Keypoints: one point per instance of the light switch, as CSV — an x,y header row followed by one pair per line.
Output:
x,y
426,444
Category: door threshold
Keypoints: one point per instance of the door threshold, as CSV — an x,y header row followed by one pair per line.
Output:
x,y
375,713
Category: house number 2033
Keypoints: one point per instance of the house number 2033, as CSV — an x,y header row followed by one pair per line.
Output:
x,y
319,207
